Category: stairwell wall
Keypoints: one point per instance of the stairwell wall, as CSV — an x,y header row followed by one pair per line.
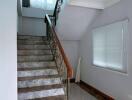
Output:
x,y
8,50
71,49
115,84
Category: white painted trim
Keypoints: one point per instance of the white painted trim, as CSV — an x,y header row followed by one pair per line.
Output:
x,y
110,3
91,4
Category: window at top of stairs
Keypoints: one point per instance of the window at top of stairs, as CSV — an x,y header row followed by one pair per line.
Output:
x,y
43,4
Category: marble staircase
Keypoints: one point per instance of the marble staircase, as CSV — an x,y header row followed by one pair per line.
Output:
x,y
38,78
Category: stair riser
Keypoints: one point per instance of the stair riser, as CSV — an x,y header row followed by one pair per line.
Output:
x,y
35,64
38,82
37,73
34,52
31,38
34,58
30,47
32,42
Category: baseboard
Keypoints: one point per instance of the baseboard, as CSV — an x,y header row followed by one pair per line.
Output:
x,y
95,92
92,90
72,80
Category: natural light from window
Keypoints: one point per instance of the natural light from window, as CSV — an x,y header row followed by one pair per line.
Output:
x,y
110,46
43,4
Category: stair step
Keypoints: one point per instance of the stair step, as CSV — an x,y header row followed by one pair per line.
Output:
x,y
36,68
28,37
38,77
40,95
35,58
59,97
33,47
35,64
39,88
33,52
38,82
32,42
37,72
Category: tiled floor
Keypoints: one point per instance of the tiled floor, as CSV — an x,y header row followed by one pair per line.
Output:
x,y
79,94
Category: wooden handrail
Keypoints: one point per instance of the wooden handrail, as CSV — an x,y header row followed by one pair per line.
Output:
x,y
68,65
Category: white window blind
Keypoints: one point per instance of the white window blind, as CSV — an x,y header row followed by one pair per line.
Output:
x,y
109,46
43,4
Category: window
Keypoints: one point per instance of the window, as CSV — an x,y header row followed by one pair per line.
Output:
x,y
109,46
43,4
26,3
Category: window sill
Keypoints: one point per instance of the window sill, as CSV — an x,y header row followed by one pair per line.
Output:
x,y
111,69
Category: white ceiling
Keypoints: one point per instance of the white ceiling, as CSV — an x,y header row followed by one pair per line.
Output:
x,y
98,4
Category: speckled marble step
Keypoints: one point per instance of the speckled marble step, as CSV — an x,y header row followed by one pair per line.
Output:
x,y
35,58
38,82
37,72
33,47
40,88
38,77
43,95
35,64
28,37
36,68
33,52
32,42
60,97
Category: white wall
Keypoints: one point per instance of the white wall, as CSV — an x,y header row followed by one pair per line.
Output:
x,y
32,21
32,26
113,83
73,22
71,49
8,50
35,12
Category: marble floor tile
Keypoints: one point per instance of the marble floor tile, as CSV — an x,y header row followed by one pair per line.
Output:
x,y
78,93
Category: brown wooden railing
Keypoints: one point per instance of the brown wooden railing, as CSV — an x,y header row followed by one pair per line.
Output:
x,y
58,43
64,67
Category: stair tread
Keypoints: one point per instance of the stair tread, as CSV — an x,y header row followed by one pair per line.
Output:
x,y
35,61
35,64
35,58
42,94
59,97
36,68
26,37
39,88
32,42
37,77
38,61
34,52
38,82
37,72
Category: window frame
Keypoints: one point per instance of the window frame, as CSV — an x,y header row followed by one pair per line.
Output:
x,y
125,47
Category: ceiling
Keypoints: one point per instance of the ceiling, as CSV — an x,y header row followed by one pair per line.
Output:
x,y
98,4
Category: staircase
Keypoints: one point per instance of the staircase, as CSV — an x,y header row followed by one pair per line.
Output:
x,y
44,71
38,77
